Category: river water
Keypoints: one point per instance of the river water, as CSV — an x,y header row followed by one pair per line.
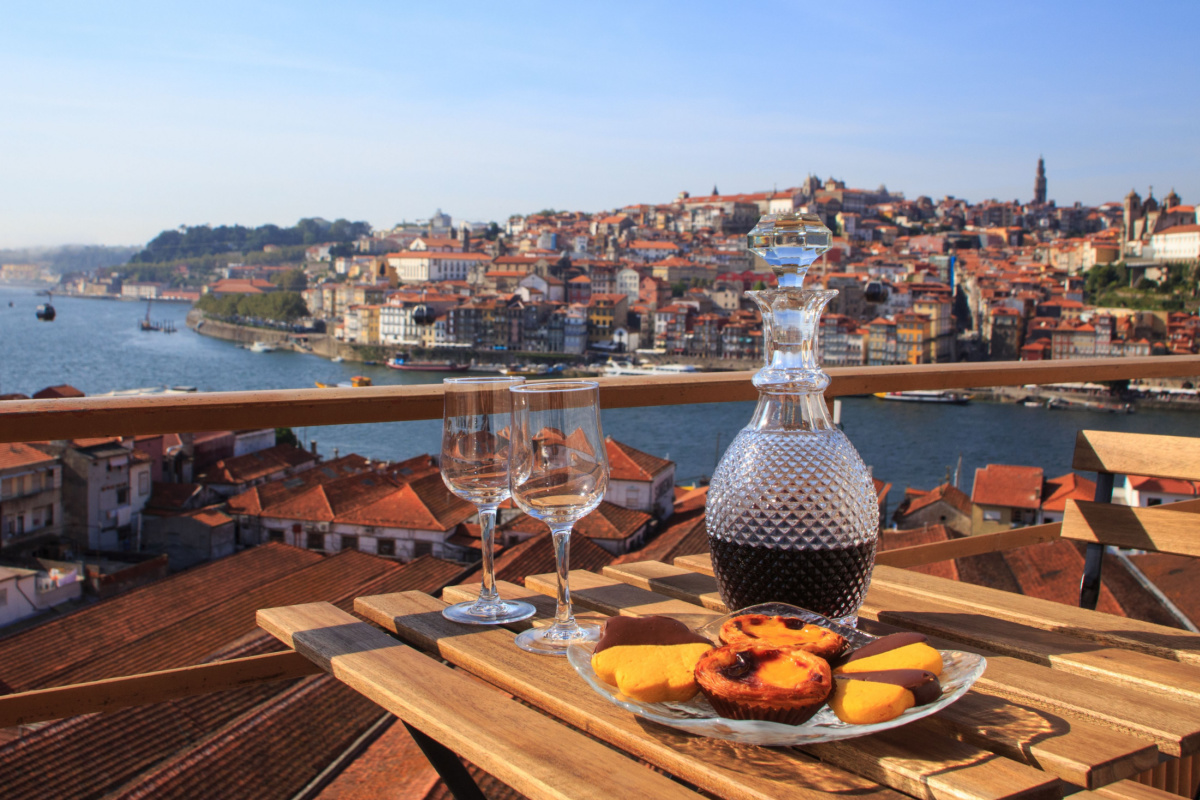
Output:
x,y
96,346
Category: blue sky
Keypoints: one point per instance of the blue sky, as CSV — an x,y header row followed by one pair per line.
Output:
x,y
118,120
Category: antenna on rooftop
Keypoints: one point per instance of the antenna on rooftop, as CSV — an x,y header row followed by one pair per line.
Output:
x,y
958,471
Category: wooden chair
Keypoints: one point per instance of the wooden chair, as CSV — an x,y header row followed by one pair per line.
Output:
x,y
1160,529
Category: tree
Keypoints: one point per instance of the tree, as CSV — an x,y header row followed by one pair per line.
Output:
x,y
294,280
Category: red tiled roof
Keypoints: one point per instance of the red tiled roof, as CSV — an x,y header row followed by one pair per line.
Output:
x,y
48,654
1008,486
1162,485
610,521
425,504
18,454
256,465
946,493
684,534
895,539
536,556
53,392
172,496
626,463
254,500
690,499
1052,571
1071,486
1178,577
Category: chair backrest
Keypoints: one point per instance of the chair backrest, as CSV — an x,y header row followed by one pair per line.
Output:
x,y
1162,529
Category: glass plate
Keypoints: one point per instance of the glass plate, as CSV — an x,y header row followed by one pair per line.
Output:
x,y
960,670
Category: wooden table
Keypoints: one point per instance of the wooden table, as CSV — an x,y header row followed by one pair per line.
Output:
x,y
1072,702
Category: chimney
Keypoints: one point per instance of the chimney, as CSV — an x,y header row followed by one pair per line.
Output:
x,y
335,454
312,445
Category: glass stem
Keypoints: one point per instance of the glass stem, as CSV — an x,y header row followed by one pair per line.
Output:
x,y
487,535
563,616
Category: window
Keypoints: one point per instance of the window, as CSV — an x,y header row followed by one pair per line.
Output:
x,y
631,497
385,547
144,484
422,549
349,542
315,541
274,535
991,515
49,514
3,597
1154,501
7,487
122,495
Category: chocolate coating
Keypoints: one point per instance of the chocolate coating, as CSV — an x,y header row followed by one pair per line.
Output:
x,y
620,631
884,644
923,685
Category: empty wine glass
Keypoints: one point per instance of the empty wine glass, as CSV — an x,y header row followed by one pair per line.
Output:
x,y
475,443
558,469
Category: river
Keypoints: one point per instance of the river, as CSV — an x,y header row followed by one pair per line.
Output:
x,y
96,346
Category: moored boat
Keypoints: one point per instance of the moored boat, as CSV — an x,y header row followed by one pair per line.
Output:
x,y
401,362
261,347
629,368
356,382
927,396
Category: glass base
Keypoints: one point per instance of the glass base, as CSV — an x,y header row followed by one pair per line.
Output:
x,y
499,612
553,640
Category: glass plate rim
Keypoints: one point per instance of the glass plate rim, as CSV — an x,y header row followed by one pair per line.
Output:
x,y
967,668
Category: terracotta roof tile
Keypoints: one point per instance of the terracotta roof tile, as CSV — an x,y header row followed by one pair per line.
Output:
x,y
1071,486
17,454
683,534
54,392
535,556
424,504
1178,577
43,655
256,465
1163,485
630,464
895,539
1052,571
947,493
190,636
611,521
1008,486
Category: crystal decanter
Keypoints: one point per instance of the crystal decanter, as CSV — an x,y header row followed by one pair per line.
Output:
x,y
792,514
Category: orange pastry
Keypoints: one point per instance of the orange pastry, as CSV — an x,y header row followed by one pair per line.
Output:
x,y
775,682
783,630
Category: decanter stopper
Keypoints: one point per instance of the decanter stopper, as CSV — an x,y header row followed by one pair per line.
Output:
x,y
789,243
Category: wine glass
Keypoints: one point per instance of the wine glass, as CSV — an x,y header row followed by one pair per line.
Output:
x,y
475,443
558,470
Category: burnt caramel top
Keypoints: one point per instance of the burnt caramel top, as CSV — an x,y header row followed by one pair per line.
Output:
x,y
923,685
885,644
619,631
760,672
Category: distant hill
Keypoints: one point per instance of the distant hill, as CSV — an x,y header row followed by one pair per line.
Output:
x,y
70,257
202,240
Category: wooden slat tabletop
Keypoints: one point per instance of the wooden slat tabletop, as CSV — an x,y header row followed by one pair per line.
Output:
x,y
527,750
724,768
1080,752
901,758
1106,629
1173,725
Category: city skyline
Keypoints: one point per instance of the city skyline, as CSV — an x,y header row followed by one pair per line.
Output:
x,y
124,123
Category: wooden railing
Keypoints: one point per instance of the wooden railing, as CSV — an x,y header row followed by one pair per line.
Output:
x,y
70,418
35,420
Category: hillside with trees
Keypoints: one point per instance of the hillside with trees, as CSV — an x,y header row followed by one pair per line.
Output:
x,y
199,241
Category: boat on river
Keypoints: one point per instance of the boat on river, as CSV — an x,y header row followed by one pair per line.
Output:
x,y
356,382
403,362
927,396
261,347
533,370
630,368
45,312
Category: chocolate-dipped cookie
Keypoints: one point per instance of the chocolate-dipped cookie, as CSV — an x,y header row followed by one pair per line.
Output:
x,y
651,659
880,695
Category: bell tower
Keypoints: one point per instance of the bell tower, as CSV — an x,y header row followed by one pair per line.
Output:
x,y
1039,185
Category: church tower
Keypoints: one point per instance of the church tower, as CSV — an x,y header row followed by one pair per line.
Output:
x,y
1039,186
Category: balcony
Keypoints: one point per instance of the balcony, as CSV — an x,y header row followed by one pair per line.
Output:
x,y
236,670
